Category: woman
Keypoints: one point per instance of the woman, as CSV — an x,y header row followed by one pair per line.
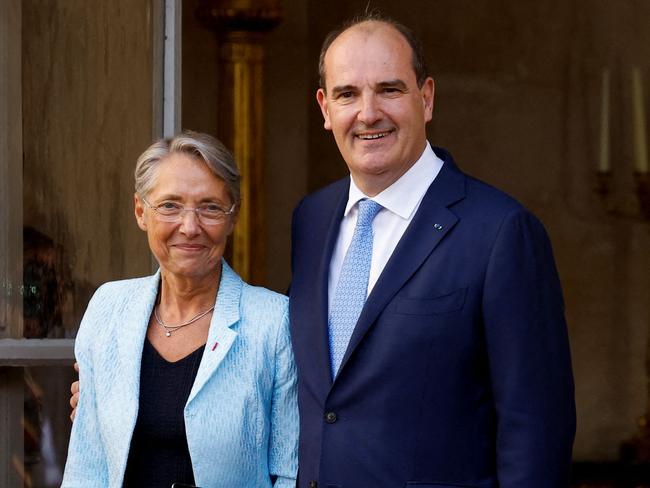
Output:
x,y
187,375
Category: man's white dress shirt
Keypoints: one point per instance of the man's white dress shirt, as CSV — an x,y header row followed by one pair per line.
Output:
x,y
401,201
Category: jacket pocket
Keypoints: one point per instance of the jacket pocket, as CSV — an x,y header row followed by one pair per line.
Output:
x,y
447,303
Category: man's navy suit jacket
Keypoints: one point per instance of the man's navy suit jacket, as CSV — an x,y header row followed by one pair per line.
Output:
x,y
458,373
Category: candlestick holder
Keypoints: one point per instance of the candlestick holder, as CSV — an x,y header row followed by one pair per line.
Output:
x,y
603,183
616,205
637,449
604,187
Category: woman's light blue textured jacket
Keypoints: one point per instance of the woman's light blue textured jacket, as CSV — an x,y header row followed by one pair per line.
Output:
x,y
241,416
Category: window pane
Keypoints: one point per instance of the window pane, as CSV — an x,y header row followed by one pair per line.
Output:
x,y
10,168
47,288
45,425
77,107
87,96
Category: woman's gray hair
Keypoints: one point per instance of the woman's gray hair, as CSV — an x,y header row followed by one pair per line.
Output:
x,y
201,146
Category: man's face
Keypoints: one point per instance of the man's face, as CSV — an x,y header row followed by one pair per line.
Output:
x,y
373,105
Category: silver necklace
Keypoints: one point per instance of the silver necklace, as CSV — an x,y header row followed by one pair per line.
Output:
x,y
173,328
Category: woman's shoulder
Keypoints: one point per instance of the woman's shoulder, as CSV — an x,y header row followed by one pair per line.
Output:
x,y
259,293
126,284
264,317
262,301
123,290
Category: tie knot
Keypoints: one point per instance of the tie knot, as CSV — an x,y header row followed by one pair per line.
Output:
x,y
368,210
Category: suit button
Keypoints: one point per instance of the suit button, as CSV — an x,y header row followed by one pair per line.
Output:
x,y
313,484
330,417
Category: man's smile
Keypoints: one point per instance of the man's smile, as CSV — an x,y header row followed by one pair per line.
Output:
x,y
374,135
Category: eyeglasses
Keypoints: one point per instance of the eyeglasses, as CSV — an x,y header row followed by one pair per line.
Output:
x,y
207,213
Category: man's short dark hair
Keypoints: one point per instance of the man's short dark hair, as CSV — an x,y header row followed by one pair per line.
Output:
x,y
418,61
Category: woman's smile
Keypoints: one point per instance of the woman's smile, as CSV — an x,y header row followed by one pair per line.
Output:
x,y
189,247
186,247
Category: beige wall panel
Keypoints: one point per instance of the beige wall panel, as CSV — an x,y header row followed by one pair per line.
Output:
x,y
200,69
288,101
87,84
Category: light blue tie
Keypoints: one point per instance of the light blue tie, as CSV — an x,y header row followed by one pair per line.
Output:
x,y
352,288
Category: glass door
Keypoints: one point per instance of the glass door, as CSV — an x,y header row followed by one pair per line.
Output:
x,y
81,96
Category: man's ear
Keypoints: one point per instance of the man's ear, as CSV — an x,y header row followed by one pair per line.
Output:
x,y
139,212
428,91
321,98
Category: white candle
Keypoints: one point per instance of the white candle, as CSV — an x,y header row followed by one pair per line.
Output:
x,y
639,127
603,161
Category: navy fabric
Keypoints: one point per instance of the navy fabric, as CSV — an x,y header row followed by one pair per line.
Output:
x,y
458,372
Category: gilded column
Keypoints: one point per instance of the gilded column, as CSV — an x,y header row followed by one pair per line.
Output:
x,y
241,26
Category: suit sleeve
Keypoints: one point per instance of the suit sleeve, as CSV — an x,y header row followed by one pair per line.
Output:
x,y
86,462
529,357
283,441
294,240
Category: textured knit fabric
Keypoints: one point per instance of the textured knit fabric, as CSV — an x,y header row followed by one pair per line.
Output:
x,y
159,455
353,283
241,418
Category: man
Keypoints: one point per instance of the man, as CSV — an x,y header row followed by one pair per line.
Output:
x,y
427,326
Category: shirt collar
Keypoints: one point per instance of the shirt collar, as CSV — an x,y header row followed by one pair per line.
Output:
x,y
403,196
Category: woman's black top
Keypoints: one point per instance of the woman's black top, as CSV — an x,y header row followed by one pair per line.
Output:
x,y
159,455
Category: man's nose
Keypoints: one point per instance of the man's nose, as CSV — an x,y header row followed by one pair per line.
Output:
x,y
369,111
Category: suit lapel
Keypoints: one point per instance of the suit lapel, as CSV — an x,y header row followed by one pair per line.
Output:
x,y
220,336
331,237
324,240
130,340
429,226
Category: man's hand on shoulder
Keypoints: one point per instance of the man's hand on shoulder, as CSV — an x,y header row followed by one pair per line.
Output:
x,y
74,399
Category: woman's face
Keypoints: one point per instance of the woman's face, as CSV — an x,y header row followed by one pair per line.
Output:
x,y
186,248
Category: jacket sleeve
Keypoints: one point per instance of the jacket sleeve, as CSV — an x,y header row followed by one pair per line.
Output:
x,y
529,357
294,240
283,440
86,462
